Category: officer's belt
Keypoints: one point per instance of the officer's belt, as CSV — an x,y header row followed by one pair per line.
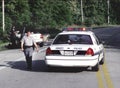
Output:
x,y
28,46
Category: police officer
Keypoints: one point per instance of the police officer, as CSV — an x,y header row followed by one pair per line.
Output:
x,y
27,43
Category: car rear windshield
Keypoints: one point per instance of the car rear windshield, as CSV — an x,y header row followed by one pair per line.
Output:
x,y
73,39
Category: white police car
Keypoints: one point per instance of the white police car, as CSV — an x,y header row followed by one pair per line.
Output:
x,y
75,49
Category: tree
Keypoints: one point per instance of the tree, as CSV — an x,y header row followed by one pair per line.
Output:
x,y
50,13
18,11
1,24
115,11
102,14
57,13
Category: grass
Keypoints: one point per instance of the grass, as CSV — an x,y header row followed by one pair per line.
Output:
x,y
2,45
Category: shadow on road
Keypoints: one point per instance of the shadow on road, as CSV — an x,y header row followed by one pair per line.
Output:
x,y
40,66
110,35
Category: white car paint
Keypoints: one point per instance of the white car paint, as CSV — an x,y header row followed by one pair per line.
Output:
x,y
75,55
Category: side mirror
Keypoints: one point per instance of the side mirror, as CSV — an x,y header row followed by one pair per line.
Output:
x,y
103,42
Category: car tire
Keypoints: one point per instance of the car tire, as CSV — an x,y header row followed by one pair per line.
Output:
x,y
41,44
102,60
96,67
49,68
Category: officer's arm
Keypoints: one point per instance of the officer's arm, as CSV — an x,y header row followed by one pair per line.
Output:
x,y
36,46
22,45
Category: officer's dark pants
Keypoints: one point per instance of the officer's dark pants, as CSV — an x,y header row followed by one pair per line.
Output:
x,y
28,51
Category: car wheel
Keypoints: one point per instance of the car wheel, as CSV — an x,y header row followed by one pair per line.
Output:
x,y
50,68
41,44
96,67
102,61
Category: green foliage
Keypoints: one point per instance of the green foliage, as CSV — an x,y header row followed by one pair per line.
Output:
x,y
115,5
42,14
18,11
1,24
50,13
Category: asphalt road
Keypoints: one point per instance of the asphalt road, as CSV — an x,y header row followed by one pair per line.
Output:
x,y
110,35
13,73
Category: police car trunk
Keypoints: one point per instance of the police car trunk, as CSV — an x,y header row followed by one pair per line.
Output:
x,y
73,49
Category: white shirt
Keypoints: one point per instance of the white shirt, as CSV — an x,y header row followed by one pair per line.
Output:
x,y
28,40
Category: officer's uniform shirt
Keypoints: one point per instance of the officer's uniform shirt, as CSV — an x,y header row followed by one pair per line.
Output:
x,y
28,41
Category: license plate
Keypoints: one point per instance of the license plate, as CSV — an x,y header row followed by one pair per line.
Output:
x,y
68,53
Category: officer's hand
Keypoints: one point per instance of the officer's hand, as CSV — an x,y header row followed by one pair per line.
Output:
x,y
37,49
22,49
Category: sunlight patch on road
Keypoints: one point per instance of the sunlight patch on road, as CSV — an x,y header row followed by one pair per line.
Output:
x,y
100,80
107,76
103,76
23,58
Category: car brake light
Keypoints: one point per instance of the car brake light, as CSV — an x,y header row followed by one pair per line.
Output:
x,y
90,52
83,29
48,51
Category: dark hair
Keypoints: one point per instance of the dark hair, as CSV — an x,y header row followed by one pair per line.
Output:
x,y
28,31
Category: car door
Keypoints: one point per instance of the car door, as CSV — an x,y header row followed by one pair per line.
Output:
x,y
100,47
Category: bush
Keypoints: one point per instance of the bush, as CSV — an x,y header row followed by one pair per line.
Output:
x,y
88,22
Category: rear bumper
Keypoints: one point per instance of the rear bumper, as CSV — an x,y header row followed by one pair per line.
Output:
x,y
72,61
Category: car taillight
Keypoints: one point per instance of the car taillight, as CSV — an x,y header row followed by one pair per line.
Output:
x,y
90,52
48,51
